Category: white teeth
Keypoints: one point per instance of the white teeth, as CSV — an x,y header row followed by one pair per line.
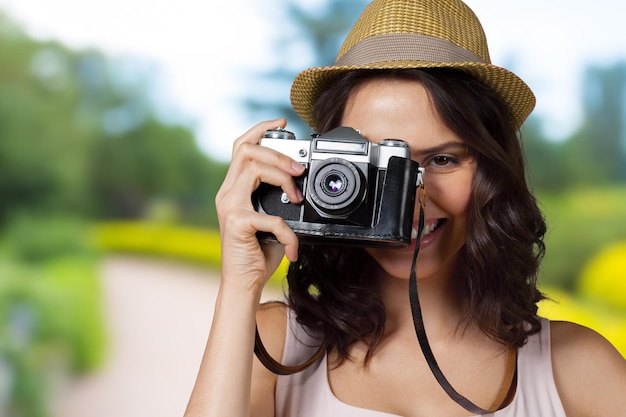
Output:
x,y
428,229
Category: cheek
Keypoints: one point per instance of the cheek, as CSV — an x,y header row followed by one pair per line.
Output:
x,y
450,194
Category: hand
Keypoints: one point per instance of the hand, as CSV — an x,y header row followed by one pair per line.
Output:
x,y
244,260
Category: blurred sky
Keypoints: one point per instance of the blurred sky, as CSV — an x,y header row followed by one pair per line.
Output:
x,y
205,50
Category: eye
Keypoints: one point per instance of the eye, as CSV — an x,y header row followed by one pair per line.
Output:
x,y
441,163
445,158
441,160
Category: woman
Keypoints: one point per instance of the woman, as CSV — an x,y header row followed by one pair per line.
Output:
x,y
417,70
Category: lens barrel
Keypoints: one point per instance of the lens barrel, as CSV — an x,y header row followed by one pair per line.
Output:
x,y
336,187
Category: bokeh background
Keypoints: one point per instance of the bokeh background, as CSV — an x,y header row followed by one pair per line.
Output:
x,y
116,123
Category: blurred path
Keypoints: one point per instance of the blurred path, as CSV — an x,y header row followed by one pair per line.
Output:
x,y
158,314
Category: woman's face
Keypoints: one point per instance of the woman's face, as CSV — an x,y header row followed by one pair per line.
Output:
x,y
389,108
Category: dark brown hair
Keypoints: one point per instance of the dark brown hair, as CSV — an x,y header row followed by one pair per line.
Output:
x,y
328,287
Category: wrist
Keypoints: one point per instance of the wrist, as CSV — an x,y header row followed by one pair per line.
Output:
x,y
240,290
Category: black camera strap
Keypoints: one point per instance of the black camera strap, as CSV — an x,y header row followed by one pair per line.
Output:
x,y
278,368
418,322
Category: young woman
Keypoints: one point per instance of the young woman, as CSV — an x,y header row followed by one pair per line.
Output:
x,y
415,70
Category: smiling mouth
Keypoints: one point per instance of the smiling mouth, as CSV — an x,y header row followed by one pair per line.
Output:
x,y
428,228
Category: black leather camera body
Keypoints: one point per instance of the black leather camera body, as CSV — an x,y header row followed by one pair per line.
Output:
x,y
356,192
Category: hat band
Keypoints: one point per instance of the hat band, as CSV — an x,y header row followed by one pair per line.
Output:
x,y
405,46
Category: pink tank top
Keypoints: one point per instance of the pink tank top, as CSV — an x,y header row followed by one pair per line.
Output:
x,y
308,394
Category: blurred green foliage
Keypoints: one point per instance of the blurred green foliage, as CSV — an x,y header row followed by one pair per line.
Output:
x,y
35,239
595,154
79,133
50,311
581,222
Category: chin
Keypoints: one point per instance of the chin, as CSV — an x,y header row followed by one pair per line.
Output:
x,y
397,264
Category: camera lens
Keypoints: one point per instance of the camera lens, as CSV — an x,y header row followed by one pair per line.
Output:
x,y
336,187
334,183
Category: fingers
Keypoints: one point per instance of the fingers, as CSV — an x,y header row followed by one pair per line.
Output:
x,y
238,228
284,235
287,238
261,164
253,164
254,134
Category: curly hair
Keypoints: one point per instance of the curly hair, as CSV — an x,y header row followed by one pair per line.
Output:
x,y
329,288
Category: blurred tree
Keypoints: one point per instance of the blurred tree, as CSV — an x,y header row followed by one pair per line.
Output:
x,y
78,134
600,146
309,38
154,163
41,151
546,166
596,153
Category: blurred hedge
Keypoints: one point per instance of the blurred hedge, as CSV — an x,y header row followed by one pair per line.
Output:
x,y
581,222
195,245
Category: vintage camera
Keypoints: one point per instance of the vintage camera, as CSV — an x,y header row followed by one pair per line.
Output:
x,y
356,192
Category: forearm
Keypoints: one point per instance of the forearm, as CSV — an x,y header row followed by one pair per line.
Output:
x,y
223,383
223,386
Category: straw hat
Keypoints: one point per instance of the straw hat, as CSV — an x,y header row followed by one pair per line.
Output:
x,y
415,34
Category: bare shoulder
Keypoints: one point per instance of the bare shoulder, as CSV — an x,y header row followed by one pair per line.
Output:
x,y
571,340
272,324
590,373
271,321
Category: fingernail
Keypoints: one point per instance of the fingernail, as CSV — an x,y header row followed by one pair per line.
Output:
x,y
299,194
297,167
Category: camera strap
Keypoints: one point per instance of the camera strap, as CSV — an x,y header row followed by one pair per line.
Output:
x,y
418,322
278,368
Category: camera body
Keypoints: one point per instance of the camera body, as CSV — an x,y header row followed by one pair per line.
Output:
x,y
356,192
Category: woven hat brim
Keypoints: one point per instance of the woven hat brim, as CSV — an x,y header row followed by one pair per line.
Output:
x,y
311,83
